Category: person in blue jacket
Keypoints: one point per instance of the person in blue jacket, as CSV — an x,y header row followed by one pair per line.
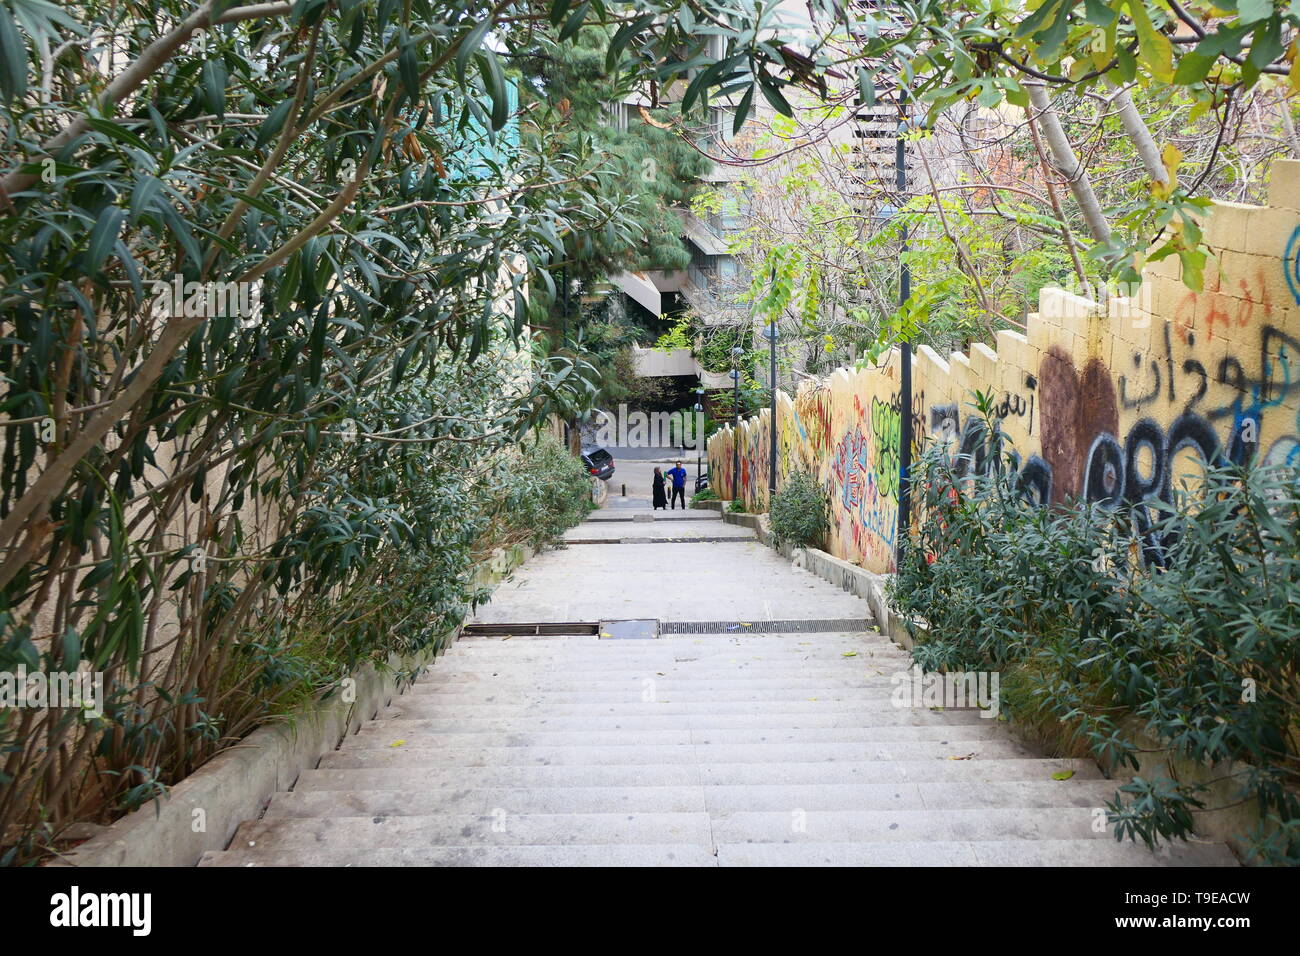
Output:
x,y
678,475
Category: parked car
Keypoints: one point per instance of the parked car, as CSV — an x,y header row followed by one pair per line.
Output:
x,y
598,462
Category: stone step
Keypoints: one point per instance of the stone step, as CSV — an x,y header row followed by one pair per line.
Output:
x,y
661,682
1053,853
690,799
800,825
862,666
663,854
648,653
353,803
796,825
535,829
593,643
380,734
405,708
672,775
596,648
579,755
401,727
603,649
562,665
932,795
682,691
743,637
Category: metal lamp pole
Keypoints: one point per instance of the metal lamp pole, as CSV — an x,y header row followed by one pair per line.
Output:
x,y
699,432
904,292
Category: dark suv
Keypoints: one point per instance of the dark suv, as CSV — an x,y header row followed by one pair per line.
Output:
x,y
598,462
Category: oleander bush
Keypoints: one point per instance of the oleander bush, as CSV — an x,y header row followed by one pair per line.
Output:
x,y
800,511
1103,649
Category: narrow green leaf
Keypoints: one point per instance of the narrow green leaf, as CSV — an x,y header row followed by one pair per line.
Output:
x,y
469,45
273,123
103,236
13,58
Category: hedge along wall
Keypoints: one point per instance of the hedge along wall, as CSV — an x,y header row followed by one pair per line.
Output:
x,y
1100,402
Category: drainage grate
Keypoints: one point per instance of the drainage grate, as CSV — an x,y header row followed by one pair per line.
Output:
x,y
685,539
766,627
537,629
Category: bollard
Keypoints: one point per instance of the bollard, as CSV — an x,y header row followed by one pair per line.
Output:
x,y
625,491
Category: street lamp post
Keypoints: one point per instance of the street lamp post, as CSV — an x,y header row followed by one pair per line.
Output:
x,y
697,428
904,292
771,334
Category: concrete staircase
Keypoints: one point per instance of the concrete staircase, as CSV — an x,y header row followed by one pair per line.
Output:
x,y
684,751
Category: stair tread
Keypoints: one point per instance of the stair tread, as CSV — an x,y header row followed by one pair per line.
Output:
x,y
687,750
720,798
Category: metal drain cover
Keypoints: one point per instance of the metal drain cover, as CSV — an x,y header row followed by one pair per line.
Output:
x,y
530,629
851,625
629,630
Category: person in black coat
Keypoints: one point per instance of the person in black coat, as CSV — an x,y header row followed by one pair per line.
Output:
x,y
660,499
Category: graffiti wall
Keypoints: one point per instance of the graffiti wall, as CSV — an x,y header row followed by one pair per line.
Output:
x,y
1114,402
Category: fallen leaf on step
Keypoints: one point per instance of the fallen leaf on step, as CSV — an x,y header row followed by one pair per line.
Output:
x,y
397,743
967,757
605,634
1063,775
849,654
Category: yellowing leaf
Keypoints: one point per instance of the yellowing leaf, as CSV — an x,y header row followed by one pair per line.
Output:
x,y
1154,49
849,654
397,743
1172,156
1063,775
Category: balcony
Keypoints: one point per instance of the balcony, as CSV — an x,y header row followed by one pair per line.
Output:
x,y
641,289
704,238
658,363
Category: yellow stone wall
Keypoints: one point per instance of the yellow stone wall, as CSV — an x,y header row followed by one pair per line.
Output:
x,y
1113,402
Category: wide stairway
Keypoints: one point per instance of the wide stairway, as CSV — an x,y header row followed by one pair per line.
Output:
x,y
733,749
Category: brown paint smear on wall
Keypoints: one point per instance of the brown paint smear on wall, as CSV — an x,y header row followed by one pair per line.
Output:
x,y
1075,410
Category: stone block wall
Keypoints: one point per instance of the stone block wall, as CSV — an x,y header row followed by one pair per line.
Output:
x,y
1121,400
